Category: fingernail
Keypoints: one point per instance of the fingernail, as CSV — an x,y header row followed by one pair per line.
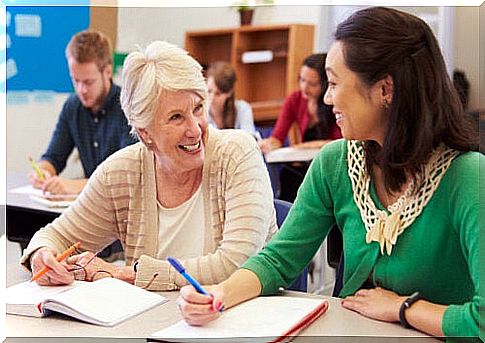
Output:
x,y
219,306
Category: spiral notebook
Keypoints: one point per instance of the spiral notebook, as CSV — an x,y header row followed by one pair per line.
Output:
x,y
105,302
263,319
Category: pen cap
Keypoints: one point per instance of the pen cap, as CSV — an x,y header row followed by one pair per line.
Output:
x,y
176,264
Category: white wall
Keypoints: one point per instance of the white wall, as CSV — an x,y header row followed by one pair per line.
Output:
x,y
144,25
31,119
466,50
482,60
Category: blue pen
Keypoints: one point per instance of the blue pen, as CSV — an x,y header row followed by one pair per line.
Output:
x,y
176,264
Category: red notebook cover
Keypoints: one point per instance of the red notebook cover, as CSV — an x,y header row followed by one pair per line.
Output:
x,y
303,323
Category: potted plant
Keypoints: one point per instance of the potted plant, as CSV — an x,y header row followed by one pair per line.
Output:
x,y
246,9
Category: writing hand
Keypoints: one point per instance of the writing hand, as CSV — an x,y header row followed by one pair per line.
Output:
x,y
61,185
34,179
376,303
58,273
198,309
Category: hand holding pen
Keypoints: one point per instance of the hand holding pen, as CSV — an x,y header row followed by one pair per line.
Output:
x,y
189,298
38,175
49,268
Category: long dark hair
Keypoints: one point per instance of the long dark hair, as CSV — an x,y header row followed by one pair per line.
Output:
x,y
425,109
326,118
225,78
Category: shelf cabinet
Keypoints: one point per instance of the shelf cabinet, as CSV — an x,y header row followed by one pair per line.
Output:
x,y
265,84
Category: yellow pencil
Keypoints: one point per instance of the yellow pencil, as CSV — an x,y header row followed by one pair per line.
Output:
x,y
37,169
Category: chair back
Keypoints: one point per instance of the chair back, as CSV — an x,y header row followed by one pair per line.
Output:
x,y
282,208
335,257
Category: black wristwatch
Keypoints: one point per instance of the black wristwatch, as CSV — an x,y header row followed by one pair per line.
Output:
x,y
405,305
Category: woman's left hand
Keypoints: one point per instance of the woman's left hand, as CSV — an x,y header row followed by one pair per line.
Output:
x,y
87,267
376,303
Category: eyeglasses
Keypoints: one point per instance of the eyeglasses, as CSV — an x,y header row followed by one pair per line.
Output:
x,y
154,276
84,278
83,268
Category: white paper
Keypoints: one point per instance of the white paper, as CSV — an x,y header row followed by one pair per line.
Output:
x,y
104,302
257,56
28,25
29,190
289,154
23,298
51,203
10,68
263,317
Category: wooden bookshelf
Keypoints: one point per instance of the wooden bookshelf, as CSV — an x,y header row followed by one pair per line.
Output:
x,y
264,85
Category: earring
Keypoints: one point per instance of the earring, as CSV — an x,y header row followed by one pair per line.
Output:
x,y
386,104
149,141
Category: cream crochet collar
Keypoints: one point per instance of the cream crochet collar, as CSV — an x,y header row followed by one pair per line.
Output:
x,y
382,227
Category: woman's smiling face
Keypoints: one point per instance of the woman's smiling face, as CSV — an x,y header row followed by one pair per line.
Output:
x,y
178,130
358,108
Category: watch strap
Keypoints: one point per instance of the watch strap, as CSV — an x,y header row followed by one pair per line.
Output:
x,y
405,305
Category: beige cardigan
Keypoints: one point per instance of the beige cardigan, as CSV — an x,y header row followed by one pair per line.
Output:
x,y
119,202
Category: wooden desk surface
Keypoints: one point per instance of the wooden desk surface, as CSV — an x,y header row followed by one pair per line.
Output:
x,y
338,322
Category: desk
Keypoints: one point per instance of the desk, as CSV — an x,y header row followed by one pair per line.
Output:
x,y
289,154
338,321
284,157
23,215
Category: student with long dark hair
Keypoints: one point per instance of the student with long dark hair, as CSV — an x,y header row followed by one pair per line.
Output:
x,y
403,187
305,108
314,120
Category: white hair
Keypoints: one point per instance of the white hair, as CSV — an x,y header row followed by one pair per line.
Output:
x,y
146,74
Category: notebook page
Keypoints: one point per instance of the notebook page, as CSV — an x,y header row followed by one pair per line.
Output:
x,y
24,297
264,317
28,189
51,203
104,302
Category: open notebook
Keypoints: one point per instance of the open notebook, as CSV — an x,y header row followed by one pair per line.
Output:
x,y
105,302
54,202
263,319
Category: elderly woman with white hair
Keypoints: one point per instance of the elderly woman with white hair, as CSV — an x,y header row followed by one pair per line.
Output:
x,y
186,190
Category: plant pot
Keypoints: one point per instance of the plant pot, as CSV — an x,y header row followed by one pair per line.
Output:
x,y
246,17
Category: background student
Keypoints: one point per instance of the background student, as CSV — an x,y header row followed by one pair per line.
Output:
x,y
404,188
305,107
225,111
315,122
91,119
195,193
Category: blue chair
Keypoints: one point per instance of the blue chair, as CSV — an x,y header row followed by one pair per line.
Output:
x,y
282,208
335,257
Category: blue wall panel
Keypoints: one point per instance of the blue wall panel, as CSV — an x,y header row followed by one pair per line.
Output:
x,y
39,61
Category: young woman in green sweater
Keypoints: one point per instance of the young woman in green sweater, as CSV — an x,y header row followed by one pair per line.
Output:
x,y
403,187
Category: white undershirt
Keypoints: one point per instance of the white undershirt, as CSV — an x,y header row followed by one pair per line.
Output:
x,y
181,229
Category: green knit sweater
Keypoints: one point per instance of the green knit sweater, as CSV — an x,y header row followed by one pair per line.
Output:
x,y
438,255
